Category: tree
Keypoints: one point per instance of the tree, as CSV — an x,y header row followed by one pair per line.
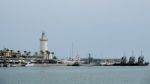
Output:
x,y
48,53
42,52
19,52
11,51
25,53
53,53
1,52
7,50
36,54
54,57
29,53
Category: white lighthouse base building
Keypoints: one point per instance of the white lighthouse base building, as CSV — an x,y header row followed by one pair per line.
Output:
x,y
44,48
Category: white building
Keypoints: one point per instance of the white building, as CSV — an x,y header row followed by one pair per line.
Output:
x,y
44,45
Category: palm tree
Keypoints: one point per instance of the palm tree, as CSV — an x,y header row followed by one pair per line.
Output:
x,y
48,53
42,52
19,52
25,53
36,54
53,53
54,57
11,53
29,53
1,52
7,50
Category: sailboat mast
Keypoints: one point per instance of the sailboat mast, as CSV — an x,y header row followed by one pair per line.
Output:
x,y
72,49
132,53
124,54
141,53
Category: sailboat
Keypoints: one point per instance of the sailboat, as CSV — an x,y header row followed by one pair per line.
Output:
x,y
72,61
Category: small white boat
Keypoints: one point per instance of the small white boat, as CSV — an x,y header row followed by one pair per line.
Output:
x,y
13,65
29,64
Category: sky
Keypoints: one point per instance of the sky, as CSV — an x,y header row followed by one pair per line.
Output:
x,y
104,28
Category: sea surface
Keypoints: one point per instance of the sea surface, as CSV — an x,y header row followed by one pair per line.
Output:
x,y
75,75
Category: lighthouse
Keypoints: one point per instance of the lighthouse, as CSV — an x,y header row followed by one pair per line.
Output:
x,y
43,44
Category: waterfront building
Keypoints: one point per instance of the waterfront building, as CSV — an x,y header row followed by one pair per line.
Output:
x,y
44,47
43,43
6,52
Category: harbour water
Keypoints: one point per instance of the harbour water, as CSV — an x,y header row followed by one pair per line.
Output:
x,y
76,75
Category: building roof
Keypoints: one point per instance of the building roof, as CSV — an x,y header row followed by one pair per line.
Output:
x,y
43,37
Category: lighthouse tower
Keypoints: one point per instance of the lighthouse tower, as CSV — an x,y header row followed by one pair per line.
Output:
x,y
44,44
